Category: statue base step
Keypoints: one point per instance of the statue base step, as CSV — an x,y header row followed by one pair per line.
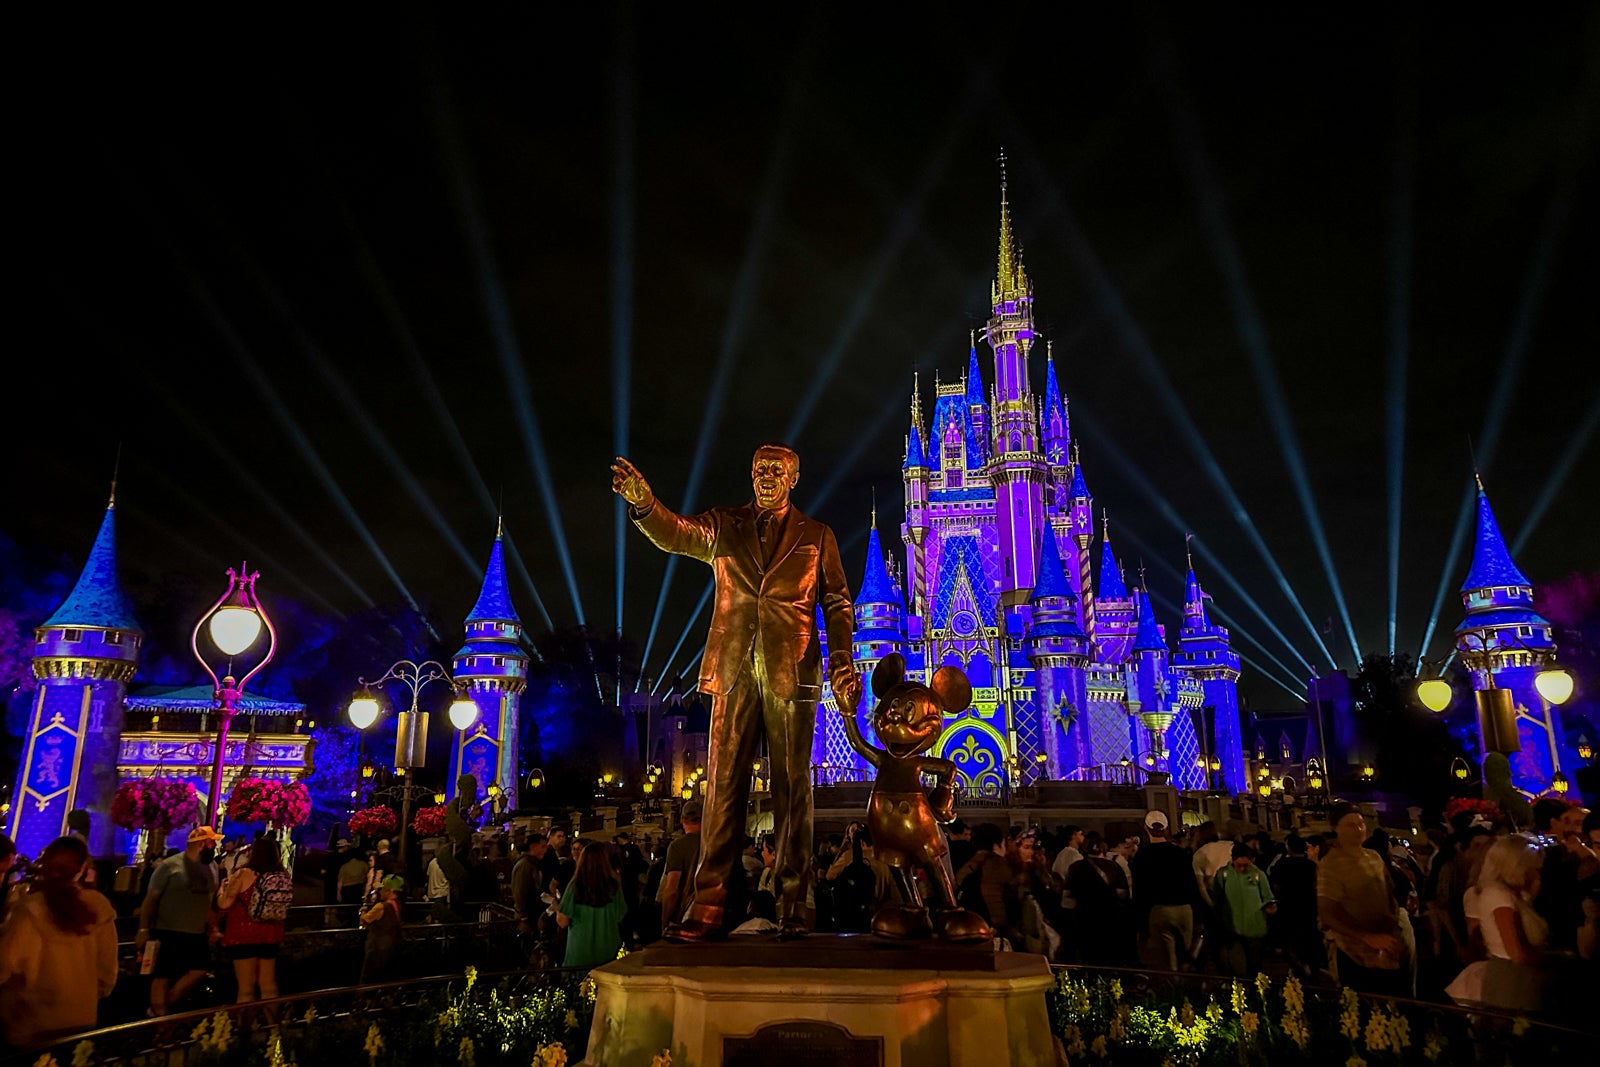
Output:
x,y
838,1000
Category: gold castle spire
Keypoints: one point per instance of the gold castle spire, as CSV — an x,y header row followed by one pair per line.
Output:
x,y
1011,279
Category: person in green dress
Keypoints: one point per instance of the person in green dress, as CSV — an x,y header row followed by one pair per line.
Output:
x,y
591,910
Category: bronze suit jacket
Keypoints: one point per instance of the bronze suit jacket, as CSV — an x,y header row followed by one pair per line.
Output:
x,y
778,602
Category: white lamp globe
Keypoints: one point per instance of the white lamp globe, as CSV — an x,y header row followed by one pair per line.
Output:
x,y
363,712
1434,693
1555,685
463,713
235,629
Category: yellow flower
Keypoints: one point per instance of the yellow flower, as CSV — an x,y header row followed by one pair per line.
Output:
x,y
551,1055
1074,1041
46,1060
587,989
1350,1014
1519,1027
1294,997
1116,989
1119,1024
663,1060
621,952
1263,985
1294,1024
1250,1020
466,1055
82,1054
1236,997
374,1043
572,1019
1186,1014
1399,1031
310,1016
472,976
1434,1046
1098,1046
1355,1061
1214,1012
1377,1032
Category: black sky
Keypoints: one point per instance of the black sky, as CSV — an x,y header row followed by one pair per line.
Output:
x,y
194,199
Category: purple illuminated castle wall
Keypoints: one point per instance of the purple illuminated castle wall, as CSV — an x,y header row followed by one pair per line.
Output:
x,y
1071,680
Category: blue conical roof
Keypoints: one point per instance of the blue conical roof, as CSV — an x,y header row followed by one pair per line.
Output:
x,y
1080,489
1492,564
1148,638
1191,588
494,601
1052,579
1052,391
915,456
974,379
98,600
1111,584
876,586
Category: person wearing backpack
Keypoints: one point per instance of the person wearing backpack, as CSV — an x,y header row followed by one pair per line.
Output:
x,y
255,902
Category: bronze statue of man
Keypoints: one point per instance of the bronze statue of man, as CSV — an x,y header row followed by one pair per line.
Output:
x,y
762,669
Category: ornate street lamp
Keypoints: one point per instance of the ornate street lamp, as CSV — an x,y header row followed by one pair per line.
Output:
x,y
411,732
1559,784
233,626
1459,769
1585,750
1435,693
536,778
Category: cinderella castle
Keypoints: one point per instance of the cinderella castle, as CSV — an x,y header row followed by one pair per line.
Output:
x,y
1073,678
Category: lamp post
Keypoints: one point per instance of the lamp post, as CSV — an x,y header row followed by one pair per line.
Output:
x,y
411,732
232,627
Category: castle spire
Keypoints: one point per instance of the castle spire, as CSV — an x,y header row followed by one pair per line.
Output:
x,y
97,600
974,379
1149,637
1011,280
494,599
876,585
1492,565
1112,586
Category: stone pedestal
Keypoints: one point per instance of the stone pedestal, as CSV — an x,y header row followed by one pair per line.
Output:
x,y
843,1000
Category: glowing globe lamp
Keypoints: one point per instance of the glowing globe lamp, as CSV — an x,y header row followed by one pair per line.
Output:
x,y
363,711
688,792
463,713
235,629
1555,685
1434,693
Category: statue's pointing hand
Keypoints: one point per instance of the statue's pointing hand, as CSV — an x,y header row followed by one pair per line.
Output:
x,y
628,483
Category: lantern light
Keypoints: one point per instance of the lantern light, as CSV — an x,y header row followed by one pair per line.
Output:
x,y
649,787
438,798
1264,789
1555,685
363,710
1435,694
463,712
234,628
368,770
536,779
1585,750
494,789
688,791
1559,784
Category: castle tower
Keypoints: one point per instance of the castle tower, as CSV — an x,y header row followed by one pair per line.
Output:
x,y
1150,697
1204,654
914,472
1080,520
84,655
1057,437
1017,467
1115,617
492,669
1513,718
1059,652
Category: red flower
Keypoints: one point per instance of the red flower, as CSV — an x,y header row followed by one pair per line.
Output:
x,y
268,800
429,822
374,822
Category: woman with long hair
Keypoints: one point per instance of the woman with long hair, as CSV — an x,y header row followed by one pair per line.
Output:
x,y
1513,976
253,901
58,951
591,910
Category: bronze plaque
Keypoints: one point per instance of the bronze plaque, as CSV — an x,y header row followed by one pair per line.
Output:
x,y
802,1043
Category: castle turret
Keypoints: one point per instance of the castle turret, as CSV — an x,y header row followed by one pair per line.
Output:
x,y
880,609
1080,521
976,408
1057,438
1150,697
84,655
1017,466
1204,654
1059,652
492,669
1507,643
1115,618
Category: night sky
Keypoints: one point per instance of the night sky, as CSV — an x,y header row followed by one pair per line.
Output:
x,y
332,280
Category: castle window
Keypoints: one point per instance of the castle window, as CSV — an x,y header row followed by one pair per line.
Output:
x,y
1525,631
499,661
72,635
112,637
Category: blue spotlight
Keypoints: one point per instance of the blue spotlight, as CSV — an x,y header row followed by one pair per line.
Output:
x,y
1086,420
1252,335
442,418
503,331
622,212
694,616
1401,232
741,303
1529,303
907,223
1133,340
1559,472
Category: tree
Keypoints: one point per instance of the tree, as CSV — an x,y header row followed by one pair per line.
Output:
x,y
1414,747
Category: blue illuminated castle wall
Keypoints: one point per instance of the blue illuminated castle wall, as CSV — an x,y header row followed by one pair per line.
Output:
x,y
1072,674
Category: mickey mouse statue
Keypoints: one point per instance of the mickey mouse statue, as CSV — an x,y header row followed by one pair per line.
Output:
x,y
903,818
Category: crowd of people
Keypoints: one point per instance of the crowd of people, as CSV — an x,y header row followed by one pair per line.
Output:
x,y
1470,911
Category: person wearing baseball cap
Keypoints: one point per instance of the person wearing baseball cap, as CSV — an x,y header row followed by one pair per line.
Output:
x,y
382,922
1163,893
177,916
677,872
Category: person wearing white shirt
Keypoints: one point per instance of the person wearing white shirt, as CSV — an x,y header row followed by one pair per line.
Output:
x,y
1071,852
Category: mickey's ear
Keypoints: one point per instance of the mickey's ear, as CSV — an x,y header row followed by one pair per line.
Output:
x,y
890,672
952,688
